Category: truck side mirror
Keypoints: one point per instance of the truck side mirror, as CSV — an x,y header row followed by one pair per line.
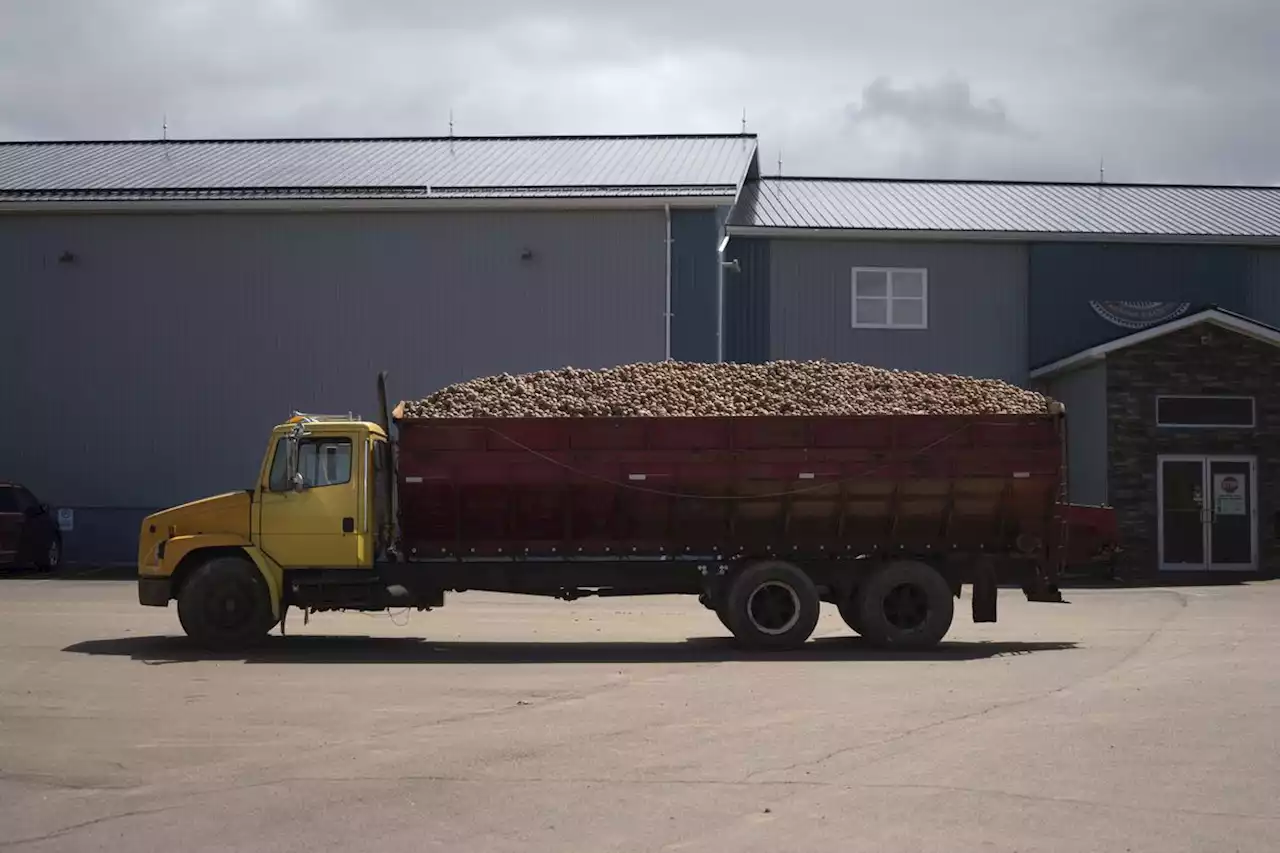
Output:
x,y
292,475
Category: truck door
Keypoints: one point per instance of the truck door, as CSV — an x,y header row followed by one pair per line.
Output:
x,y
320,525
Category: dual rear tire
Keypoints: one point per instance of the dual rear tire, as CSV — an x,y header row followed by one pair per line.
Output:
x,y
900,605
771,605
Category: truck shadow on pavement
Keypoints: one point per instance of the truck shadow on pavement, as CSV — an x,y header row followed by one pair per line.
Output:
x,y
72,573
312,649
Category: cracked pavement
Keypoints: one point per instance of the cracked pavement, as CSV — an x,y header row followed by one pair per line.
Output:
x,y
1142,719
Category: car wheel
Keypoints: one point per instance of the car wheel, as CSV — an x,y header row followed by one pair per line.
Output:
x,y
52,556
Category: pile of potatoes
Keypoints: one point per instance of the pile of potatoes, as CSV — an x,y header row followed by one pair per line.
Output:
x,y
680,389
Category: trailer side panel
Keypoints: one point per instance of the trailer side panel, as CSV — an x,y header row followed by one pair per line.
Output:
x,y
733,486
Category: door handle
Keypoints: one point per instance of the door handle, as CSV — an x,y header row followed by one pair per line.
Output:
x,y
348,525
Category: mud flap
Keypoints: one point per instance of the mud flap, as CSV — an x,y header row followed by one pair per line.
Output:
x,y
1044,587
1044,593
984,592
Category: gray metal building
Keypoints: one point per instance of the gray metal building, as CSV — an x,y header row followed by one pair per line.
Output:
x,y
1032,283
166,303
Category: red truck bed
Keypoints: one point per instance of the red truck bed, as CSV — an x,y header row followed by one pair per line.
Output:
x,y
663,487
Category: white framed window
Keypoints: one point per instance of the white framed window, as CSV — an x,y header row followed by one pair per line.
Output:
x,y
1205,411
890,298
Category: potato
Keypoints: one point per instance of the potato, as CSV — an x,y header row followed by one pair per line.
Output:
x,y
679,389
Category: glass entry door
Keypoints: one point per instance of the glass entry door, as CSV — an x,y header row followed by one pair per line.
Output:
x,y
1207,513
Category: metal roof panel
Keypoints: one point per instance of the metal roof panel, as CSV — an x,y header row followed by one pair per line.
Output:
x,y
1014,208
572,164
368,193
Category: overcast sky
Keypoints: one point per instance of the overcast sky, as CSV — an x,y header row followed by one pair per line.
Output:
x,y
1163,90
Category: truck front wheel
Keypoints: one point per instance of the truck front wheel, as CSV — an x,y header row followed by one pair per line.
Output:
x,y
772,605
225,605
905,605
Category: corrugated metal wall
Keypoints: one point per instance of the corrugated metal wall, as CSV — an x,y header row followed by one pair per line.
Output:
x,y
1264,286
1066,276
146,369
1084,393
746,301
694,235
977,306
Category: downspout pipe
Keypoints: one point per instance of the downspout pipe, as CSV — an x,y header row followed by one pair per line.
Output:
x,y
666,209
724,244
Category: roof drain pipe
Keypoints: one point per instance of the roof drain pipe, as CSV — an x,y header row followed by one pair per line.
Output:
x,y
720,265
666,209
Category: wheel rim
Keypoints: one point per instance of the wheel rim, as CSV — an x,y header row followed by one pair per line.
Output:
x,y
773,608
231,608
54,553
906,607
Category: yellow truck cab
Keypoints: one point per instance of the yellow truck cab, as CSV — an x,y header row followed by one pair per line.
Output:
x,y
315,506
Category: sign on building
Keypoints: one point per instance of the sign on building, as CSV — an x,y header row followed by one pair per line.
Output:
x,y
1138,315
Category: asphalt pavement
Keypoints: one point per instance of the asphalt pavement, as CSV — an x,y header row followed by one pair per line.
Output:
x,y
1128,720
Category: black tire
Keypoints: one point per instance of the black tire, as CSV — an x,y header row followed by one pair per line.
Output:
x,y
849,613
52,556
723,616
771,605
225,605
718,609
905,605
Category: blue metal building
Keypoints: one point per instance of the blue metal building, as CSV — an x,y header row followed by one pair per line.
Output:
x,y
1045,284
169,301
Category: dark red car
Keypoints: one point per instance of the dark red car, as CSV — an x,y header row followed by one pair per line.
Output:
x,y
29,534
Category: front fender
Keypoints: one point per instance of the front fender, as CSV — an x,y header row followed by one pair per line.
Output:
x,y
180,547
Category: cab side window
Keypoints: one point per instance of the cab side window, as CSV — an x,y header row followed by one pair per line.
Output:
x,y
325,461
321,462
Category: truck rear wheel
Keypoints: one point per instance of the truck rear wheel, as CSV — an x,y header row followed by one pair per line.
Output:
x,y
905,605
225,605
849,613
722,613
771,605
717,608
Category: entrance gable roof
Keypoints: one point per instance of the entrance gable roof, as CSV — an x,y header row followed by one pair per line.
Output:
x,y
1212,314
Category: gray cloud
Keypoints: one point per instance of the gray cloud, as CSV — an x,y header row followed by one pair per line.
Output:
x,y
1177,90
945,107
940,129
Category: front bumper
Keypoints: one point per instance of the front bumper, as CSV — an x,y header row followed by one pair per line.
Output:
x,y
154,592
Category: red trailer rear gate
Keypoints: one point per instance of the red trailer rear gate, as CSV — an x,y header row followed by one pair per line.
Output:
x,y
663,487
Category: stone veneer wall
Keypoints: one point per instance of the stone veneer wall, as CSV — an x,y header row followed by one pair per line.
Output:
x,y
1203,359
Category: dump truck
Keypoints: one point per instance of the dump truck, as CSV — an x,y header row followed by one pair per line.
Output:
x,y
888,518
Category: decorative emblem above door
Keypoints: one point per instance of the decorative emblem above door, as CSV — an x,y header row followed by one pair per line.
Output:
x,y
1139,315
